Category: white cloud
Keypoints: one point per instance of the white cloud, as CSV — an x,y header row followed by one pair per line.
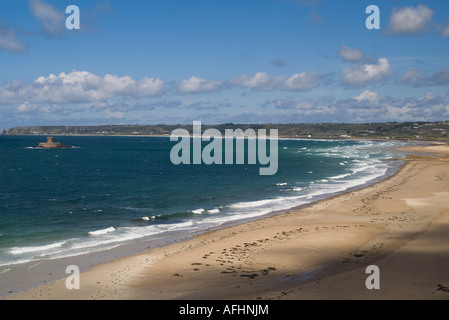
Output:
x,y
9,40
284,103
440,78
306,105
303,81
402,113
351,55
260,81
114,114
263,82
368,106
50,17
51,109
126,86
410,20
368,96
26,107
196,85
366,74
79,86
415,78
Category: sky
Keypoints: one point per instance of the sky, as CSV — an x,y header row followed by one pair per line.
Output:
x,y
222,61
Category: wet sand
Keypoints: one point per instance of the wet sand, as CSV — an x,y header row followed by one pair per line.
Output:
x,y
400,224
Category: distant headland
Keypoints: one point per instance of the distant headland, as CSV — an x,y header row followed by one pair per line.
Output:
x,y
420,130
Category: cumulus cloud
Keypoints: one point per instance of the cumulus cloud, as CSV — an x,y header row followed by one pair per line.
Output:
x,y
366,74
9,41
363,107
260,82
415,78
317,106
26,107
31,108
303,81
52,109
49,16
410,20
166,104
304,110
440,78
430,106
368,97
263,82
351,55
283,103
79,86
114,114
197,85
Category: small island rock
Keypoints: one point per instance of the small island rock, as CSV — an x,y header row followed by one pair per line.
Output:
x,y
50,144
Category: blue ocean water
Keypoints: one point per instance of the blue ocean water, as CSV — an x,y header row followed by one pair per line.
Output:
x,y
107,191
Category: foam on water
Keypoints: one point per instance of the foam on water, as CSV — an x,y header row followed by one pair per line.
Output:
x,y
340,176
102,231
21,250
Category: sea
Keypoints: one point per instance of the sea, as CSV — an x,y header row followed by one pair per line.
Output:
x,y
107,192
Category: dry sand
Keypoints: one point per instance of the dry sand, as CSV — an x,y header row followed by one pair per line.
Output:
x,y
400,224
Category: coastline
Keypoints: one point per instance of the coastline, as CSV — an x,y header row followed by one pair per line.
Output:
x,y
287,137
296,255
28,274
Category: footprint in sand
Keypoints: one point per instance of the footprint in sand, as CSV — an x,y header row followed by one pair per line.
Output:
x,y
442,288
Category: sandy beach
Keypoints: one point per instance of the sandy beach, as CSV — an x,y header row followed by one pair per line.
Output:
x,y
400,224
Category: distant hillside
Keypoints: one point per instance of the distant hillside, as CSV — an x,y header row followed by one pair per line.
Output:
x,y
391,130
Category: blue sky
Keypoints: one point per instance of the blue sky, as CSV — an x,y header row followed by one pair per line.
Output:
x,y
219,61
